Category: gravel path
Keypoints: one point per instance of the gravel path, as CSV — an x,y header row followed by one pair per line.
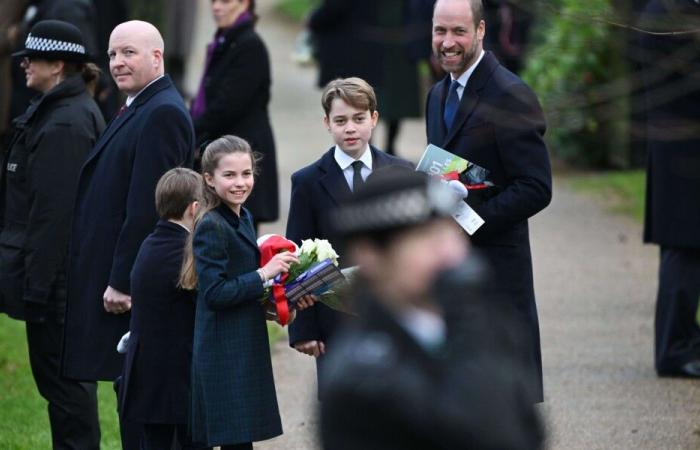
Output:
x,y
595,286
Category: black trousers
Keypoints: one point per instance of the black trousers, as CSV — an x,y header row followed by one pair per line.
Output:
x,y
72,404
167,437
246,446
677,332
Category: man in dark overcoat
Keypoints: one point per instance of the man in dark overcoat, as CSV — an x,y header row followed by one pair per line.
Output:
x,y
672,220
345,44
115,208
487,115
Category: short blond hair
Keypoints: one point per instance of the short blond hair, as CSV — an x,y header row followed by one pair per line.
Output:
x,y
354,91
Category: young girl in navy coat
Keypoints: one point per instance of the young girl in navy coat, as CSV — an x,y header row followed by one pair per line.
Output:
x,y
233,391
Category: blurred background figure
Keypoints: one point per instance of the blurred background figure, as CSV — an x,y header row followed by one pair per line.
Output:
x,y
424,363
234,94
508,31
381,42
39,182
402,32
179,28
10,17
341,35
672,219
108,14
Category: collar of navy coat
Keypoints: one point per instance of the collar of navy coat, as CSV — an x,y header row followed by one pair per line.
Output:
x,y
243,225
470,98
163,83
333,180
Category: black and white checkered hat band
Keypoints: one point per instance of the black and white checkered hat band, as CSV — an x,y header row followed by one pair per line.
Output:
x,y
52,45
411,206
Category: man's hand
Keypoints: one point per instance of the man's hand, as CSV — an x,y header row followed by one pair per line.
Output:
x,y
306,301
311,348
116,302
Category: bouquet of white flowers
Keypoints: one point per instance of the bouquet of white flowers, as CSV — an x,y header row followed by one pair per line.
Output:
x,y
316,273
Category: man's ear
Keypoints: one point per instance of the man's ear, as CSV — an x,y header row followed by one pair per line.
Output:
x,y
327,122
158,59
481,30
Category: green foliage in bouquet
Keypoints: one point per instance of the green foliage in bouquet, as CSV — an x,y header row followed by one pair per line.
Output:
x,y
577,68
306,260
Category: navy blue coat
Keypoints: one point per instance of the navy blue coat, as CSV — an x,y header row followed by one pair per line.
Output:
x,y
316,190
672,215
114,212
156,379
500,126
233,391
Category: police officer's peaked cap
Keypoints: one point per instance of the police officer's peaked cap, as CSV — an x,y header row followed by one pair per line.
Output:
x,y
55,40
392,198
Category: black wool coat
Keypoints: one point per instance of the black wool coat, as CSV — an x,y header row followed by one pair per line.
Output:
x,y
672,68
345,41
383,390
317,190
237,91
114,212
37,189
156,377
499,125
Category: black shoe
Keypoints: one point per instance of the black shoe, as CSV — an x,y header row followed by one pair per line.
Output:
x,y
691,369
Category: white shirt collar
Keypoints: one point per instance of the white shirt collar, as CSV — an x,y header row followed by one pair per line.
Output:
x,y
130,99
178,223
426,327
344,160
464,78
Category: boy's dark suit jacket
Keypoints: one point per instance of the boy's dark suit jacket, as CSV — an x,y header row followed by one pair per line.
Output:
x,y
316,190
500,126
156,377
114,212
233,391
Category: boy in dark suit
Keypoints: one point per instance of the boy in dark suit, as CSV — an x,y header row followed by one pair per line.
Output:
x,y
155,389
350,107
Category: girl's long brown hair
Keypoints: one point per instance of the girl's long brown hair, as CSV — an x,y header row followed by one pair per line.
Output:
x,y
213,153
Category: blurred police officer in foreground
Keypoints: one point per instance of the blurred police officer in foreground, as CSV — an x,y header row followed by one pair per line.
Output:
x,y
425,365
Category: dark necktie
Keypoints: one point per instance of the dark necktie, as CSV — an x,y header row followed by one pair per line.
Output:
x,y
121,110
357,180
451,105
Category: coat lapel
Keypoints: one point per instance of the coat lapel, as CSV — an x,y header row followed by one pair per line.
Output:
x,y
470,96
118,122
246,231
333,180
242,225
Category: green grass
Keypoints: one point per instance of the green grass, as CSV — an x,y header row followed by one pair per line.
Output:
x,y
620,191
296,10
24,421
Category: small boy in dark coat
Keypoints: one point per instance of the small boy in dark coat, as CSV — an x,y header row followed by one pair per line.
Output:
x,y
155,391
350,107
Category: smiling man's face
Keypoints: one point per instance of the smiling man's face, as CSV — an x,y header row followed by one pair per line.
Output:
x,y
457,42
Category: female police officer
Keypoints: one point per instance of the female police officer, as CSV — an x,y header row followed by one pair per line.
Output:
x,y
39,176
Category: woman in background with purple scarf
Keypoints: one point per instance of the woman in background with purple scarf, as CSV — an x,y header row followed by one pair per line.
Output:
x,y
233,96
